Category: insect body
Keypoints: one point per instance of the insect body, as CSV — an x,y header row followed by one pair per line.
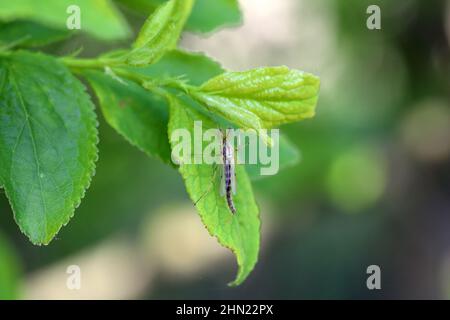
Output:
x,y
228,173
228,180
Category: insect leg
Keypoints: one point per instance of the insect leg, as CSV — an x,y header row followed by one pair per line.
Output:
x,y
210,186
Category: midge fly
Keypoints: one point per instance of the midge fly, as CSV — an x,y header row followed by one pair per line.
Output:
x,y
216,147
228,183
228,175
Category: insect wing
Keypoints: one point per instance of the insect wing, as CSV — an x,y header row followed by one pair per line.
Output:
x,y
233,178
223,182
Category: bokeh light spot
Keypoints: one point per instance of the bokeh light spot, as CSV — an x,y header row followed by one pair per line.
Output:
x,y
357,179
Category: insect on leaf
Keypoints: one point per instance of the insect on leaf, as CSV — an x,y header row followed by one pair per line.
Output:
x,y
238,232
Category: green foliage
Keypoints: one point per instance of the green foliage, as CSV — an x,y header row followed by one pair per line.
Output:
x,y
139,116
48,140
48,128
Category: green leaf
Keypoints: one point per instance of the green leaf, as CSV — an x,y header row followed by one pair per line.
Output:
x,y
29,33
239,232
48,139
289,155
9,271
208,16
195,67
160,32
261,98
134,112
99,18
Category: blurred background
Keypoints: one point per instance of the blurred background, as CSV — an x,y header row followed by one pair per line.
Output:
x,y
372,186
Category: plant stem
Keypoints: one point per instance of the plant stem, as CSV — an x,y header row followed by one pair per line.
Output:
x,y
157,86
89,63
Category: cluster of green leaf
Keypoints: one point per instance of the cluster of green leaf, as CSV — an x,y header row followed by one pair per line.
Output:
x,y
48,126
